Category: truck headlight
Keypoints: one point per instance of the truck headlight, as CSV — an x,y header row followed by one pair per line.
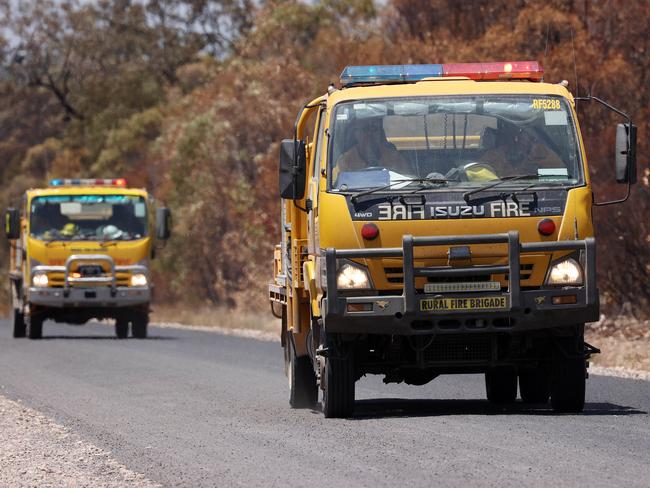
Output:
x,y
352,277
567,272
138,280
40,280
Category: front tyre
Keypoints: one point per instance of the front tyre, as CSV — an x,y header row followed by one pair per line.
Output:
x,y
569,375
534,385
121,328
303,390
501,384
338,383
20,329
139,325
34,325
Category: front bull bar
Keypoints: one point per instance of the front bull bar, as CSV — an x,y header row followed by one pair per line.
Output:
x,y
335,304
89,280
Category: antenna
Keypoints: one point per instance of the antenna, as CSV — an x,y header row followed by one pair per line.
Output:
x,y
548,26
575,69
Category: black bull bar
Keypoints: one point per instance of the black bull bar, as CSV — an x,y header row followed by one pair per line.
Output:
x,y
526,309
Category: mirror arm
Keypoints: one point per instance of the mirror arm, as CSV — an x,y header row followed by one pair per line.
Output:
x,y
295,149
620,200
589,98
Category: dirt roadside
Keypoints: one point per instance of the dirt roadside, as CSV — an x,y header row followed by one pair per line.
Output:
x,y
624,342
36,451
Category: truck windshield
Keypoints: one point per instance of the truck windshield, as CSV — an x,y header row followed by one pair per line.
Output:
x,y
467,141
88,218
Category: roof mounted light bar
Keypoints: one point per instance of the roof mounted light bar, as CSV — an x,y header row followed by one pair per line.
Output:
x,y
404,73
89,182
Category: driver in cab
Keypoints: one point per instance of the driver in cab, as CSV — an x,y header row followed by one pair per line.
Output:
x,y
371,149
517,152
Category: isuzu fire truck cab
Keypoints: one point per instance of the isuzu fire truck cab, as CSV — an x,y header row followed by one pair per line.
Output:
x,y
81,249
439,221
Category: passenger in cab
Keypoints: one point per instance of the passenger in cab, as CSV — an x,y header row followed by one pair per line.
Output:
x,y
371,149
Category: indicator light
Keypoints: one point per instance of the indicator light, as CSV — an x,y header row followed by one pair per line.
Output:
x,y
369,231
546,227
565,299
359,307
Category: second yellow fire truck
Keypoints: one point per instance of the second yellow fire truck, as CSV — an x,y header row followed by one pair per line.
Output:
x,y
81,249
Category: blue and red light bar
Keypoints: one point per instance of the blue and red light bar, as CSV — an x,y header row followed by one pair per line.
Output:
x,y
401,73
121,182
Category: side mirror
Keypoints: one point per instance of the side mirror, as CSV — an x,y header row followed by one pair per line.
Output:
x,y
163,223
626,153
12,223
293,164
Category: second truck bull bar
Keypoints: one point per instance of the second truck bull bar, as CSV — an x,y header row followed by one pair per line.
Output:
x,y
515,249
76,258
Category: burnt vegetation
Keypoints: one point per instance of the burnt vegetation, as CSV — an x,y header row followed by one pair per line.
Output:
x,y
190,98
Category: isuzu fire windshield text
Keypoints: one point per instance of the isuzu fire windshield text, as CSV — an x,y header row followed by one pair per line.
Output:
x,y
439,222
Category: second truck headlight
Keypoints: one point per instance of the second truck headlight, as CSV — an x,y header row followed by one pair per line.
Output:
x,y
138,280
351,277
567,272
40,280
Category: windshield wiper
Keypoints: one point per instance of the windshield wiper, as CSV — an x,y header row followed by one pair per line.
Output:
x,y
505,179
108,243
357,195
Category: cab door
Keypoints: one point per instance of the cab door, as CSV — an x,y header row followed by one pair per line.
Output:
x,y
313,184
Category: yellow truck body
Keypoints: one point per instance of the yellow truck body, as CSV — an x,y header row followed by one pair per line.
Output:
x,y
82,250
401,231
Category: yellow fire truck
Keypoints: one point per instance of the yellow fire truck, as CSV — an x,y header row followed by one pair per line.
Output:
x,y
80,249
440,222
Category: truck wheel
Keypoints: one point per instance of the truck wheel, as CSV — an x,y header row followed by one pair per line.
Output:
x,y
569,382
139,325
303,390
534,385
338,384
121,328
34,326
20,330
501,384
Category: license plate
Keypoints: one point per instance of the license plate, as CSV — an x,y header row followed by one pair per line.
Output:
x,y
499,302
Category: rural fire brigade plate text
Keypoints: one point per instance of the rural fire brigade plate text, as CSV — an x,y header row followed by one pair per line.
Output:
x,y
474,303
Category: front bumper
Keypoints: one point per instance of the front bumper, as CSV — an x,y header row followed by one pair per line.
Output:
x,y
407,314
90,291
98,296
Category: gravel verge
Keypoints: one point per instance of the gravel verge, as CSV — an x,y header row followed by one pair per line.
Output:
x,y
37,452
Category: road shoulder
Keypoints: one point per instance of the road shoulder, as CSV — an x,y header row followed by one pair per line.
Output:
x,y
36,451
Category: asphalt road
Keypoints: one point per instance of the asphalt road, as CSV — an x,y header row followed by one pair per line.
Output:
x,y
188,408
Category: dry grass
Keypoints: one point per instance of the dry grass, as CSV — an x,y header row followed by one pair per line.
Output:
x,y
219,318
624,342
